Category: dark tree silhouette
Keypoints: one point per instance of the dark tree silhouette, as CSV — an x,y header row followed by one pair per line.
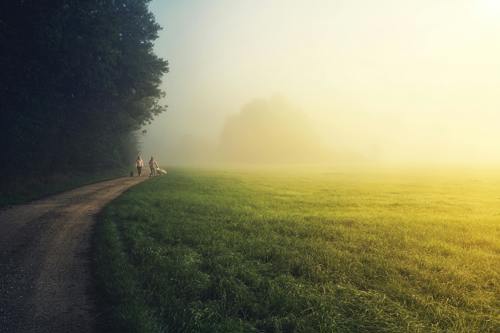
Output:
x,y
78,79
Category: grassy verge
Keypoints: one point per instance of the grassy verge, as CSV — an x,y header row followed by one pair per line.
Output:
x,y
26,190
214,251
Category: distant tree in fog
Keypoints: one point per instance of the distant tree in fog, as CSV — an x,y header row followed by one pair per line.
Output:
x,y
271,131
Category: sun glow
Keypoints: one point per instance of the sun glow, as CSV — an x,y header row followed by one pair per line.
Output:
x,y
391,81
492,5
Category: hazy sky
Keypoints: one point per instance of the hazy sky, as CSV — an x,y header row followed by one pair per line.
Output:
x,y
394,80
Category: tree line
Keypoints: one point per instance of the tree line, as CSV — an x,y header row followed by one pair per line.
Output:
x,y
78,80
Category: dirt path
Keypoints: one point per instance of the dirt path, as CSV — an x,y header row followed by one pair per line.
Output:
x,y
45,282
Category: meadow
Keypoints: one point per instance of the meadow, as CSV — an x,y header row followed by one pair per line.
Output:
x,y
318,250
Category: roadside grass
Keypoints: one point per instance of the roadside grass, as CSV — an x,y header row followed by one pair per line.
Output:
x,y
324,251
23,190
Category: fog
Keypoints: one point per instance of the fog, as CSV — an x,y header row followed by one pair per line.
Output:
x,y
320,81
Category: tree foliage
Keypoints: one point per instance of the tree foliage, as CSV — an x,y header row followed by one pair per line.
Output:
x,y
78,79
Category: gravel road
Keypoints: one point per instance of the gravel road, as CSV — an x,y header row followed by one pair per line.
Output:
x,y
45,278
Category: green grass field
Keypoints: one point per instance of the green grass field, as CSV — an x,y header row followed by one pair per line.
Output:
x,y
302,251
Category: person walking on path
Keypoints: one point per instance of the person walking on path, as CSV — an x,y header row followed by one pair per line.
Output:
x,y
153,165
139,163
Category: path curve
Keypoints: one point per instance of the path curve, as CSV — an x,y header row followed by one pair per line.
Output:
x,y
45,278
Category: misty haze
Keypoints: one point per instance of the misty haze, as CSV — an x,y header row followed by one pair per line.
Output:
x,y
424,93
250,166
